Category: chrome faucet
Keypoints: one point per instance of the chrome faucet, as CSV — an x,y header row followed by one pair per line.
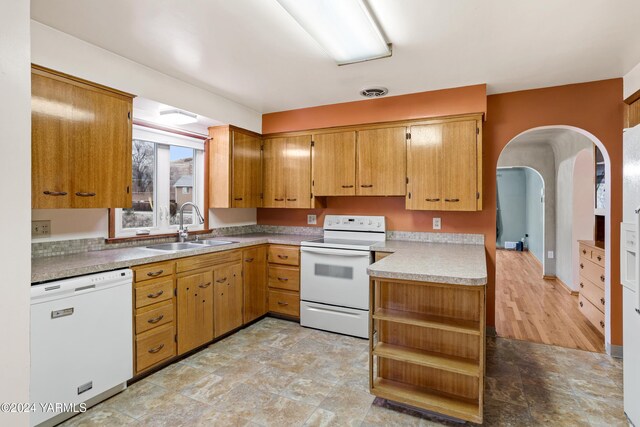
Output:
x,y
183,232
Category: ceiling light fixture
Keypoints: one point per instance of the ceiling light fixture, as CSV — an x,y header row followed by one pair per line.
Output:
x,y
346,29
177,117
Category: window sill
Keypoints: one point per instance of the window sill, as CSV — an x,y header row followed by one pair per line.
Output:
x,y
111,240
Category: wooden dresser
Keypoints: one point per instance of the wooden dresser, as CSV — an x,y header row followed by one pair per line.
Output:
x,y
592,280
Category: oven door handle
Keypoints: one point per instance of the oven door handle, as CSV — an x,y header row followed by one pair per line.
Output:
x,y
342,252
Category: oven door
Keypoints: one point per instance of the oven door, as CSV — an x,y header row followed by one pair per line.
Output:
x,y
335,276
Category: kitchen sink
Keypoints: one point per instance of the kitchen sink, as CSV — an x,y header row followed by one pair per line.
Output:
x,y
211,242
172,247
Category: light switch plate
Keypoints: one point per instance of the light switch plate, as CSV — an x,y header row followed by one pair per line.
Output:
x,y
550,254
40,229
437,224
311,220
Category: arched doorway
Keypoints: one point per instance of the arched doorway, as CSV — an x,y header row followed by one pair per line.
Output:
x,y
564,143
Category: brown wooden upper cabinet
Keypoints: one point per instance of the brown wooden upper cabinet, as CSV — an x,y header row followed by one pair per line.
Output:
x,y
80,143
287,172
334,164
235,168
444,166
382,162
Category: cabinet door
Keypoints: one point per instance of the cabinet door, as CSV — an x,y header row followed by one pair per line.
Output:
x,y
195,310
334,164
298,172
247,171
51,130
382,162
254,277
101,151
459,166
228,302
274,165
424,168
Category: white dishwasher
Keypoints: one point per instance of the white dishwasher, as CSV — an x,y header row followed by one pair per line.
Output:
x,y
81,343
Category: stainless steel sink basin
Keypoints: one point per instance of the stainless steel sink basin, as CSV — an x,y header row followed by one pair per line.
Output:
x,y
212,242
172,247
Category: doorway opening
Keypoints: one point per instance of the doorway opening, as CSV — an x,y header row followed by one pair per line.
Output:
x,y
552,239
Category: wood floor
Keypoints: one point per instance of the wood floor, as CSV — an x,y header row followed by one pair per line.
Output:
x,y
530,308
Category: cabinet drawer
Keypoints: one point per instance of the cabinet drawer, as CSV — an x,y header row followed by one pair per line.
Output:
x,y
283,302
597,256
154,346
591,312
158,315
593,293
207,260
287,255
592,272
153,292
585,251
153,271
284,278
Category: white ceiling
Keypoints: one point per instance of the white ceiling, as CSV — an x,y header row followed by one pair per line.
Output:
x,y
253,52
149,110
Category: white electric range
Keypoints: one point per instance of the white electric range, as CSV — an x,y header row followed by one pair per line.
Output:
x,y
334,286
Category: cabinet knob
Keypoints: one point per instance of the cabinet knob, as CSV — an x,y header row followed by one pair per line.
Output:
x,y
282,303
581,285
237,198
85,194
366,185
602,278
584,252
283,279
291,200
156,349
581,304
279,200
602,301
347,186
432,200
248,260
204,285
156,319
581,265
224,279
283,256
602,323
599,258
155,295
54,193
155,273
452,200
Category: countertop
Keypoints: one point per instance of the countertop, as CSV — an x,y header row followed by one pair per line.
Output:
x,y
460,264
59,267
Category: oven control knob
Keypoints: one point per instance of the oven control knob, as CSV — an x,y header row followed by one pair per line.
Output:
x,y
378,224
370,222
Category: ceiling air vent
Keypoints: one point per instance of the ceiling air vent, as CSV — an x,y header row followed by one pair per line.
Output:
x,y
374,92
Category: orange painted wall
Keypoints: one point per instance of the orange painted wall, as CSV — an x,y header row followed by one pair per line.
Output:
x,y
596,107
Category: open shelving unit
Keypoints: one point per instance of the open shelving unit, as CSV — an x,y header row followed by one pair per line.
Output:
x,y
427,346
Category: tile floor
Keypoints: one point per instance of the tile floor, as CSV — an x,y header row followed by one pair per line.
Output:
x,y
276,373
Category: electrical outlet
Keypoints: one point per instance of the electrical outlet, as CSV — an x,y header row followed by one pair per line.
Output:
x,y
311,220
437,224
550,254
40,229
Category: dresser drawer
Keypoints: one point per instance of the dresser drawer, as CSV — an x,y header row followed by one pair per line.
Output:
x,y
592,272
153,271
284,278
155,346
283,302
154,292
591,312
287,255
597,256
593,293
154,316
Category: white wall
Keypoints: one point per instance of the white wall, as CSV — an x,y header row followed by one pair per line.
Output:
x,y
15,168
511,197
534,212
583,201
631,82
63,52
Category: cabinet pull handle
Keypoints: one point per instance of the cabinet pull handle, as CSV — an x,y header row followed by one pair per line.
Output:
x,y
155,295
581,305
602,324
283,279
602,301
584,252
291,200
55,193
432,200
155,273
599,258
224,279
238,198
156,349
85,194
279,200
366,185
581,265
283,256
602,278
347,186
156,319
452,200
204,285
581,285
282,303
248,260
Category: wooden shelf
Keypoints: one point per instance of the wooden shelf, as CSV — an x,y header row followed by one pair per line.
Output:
x,y
430,359
428,399
428,321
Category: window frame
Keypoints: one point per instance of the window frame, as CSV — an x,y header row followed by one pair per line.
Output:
x,y
162,141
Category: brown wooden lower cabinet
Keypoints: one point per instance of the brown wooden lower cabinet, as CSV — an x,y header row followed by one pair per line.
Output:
x,y
195,310
227,298
254,279
428,342
284,280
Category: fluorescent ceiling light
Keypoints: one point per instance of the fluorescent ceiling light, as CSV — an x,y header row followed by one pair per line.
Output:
x,y
346,29
177,117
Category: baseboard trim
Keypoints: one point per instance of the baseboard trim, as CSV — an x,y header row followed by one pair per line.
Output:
x,y
614,350
564,285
